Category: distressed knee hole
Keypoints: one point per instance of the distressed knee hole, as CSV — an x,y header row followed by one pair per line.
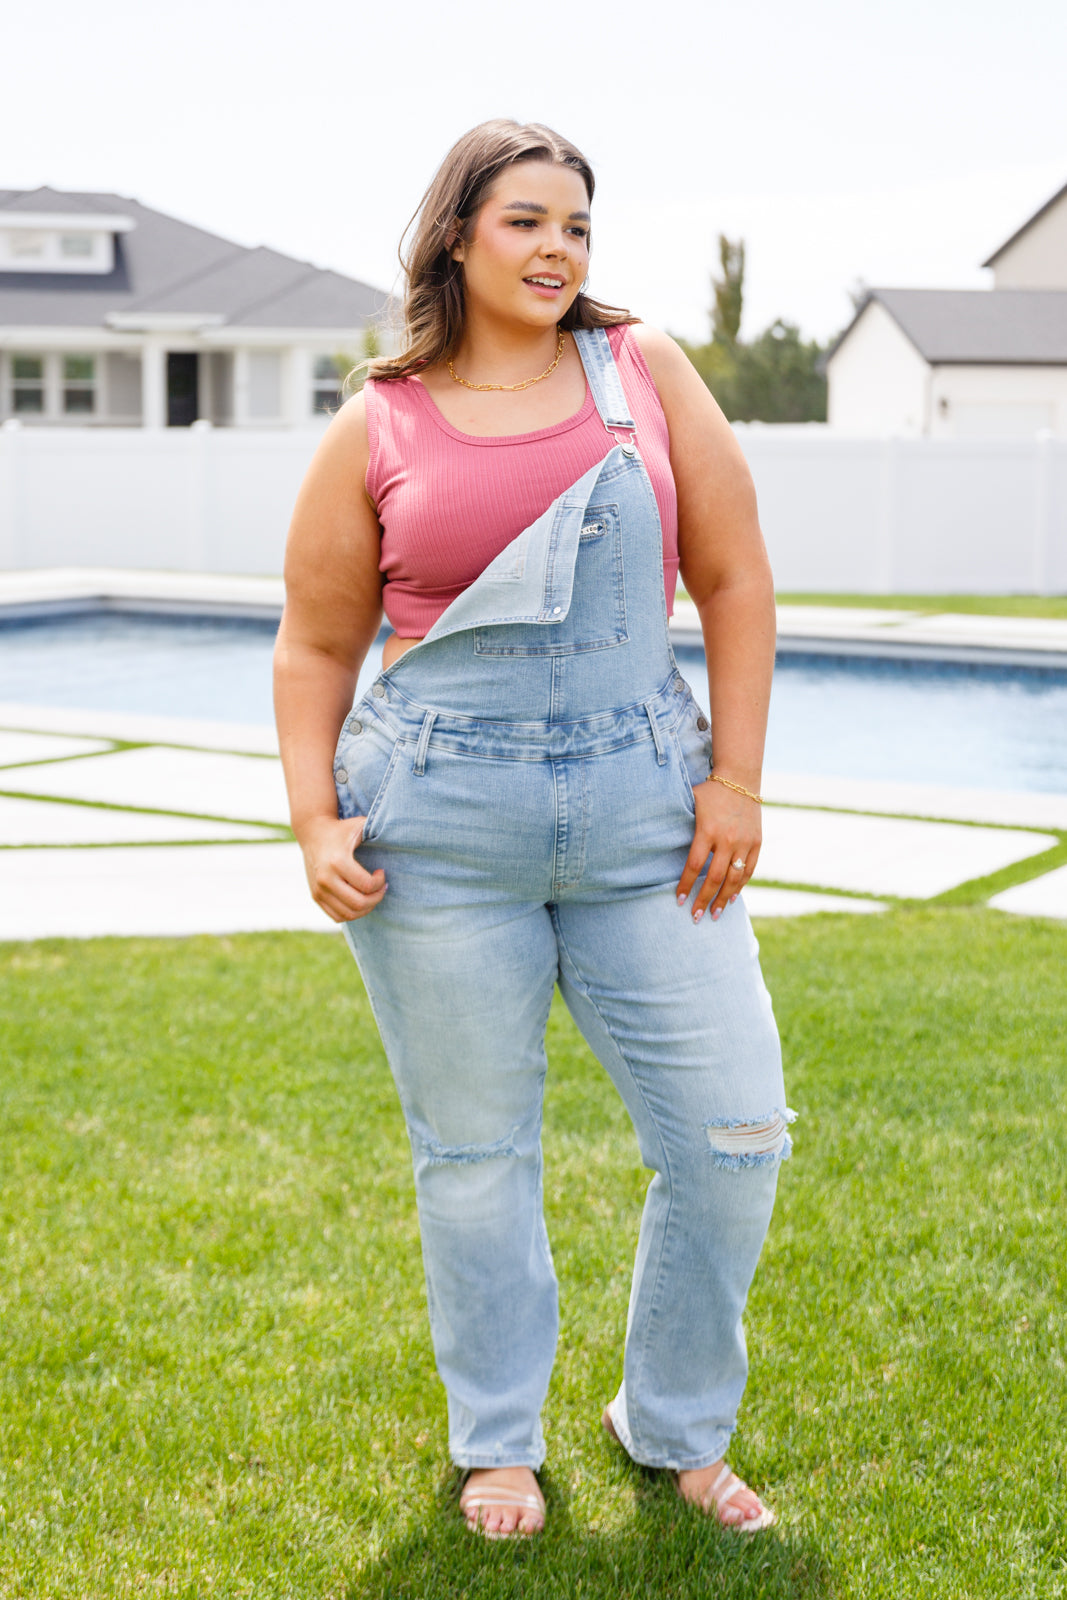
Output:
x,y
755,1143
466,1155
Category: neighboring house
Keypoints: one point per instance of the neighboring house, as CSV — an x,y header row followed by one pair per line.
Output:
x,y
114,314
963,363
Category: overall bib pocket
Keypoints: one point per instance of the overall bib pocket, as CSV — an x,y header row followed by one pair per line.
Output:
x,y
597,616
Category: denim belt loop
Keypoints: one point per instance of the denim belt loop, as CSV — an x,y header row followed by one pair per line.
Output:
x,y
661,754
419,764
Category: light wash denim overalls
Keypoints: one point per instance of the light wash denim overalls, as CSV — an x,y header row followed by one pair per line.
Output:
x,y
526,774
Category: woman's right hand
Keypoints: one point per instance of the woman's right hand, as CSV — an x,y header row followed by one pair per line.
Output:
x,y
344,889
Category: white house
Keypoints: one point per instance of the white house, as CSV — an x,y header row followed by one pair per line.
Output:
x,y
113,314
963,363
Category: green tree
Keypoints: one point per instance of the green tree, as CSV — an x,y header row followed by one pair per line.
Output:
x,y
728,292
776,377
717,364
351,369
372,342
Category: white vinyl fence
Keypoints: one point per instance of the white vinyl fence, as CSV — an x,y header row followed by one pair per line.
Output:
x,y
914,516
840,514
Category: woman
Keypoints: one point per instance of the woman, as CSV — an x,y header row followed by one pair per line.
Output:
x,y
526,797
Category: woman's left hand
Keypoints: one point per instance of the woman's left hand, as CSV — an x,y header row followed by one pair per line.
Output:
x,y
729,830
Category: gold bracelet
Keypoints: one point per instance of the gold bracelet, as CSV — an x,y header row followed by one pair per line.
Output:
x,y
739,787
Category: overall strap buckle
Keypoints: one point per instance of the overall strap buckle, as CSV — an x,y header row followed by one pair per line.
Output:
x,y
627,446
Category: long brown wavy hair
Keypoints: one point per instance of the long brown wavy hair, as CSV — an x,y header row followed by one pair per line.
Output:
x,y
433,298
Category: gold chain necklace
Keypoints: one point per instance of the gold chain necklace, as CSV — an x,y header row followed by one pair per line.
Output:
x,y
528,383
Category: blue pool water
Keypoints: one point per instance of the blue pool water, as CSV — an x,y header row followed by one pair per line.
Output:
x,y
976,727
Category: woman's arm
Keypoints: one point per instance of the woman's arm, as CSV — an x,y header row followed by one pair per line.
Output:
x,y
726,573
333,608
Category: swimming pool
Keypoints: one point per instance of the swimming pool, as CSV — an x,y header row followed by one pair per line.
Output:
x,y
969,726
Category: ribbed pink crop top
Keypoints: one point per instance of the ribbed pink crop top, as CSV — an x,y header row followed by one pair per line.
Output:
x,y
448,502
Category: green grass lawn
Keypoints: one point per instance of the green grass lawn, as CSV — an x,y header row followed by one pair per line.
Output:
x,y
985,605
216,1374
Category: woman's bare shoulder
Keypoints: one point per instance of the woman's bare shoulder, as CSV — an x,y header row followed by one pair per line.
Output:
x,y
702,441
342,457
349,423
664,357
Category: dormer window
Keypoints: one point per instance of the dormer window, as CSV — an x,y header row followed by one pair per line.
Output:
x,y
74,242
27,246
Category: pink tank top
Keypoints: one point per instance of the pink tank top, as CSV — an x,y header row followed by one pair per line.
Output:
x,y
448,502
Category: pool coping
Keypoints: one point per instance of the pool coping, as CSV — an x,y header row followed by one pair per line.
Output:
x,y
74,591
37,594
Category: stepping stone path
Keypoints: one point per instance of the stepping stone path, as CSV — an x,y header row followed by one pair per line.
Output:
x,y
113,823
185,833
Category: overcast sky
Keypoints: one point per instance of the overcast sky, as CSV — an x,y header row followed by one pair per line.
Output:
x,y
898,144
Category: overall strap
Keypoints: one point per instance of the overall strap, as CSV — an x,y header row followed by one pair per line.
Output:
x,y
605,385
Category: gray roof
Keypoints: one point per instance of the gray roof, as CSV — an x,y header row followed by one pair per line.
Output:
x,y
164,265
991,327
1040,212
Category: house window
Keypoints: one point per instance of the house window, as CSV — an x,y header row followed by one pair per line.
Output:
x,y
264,383
79,385
26,246
62,244
329,375
27,386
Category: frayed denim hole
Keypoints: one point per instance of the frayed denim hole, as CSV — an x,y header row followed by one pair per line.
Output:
x,y
748,1142
466,1155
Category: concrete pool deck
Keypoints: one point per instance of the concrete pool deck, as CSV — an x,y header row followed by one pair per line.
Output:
x,y
185,833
